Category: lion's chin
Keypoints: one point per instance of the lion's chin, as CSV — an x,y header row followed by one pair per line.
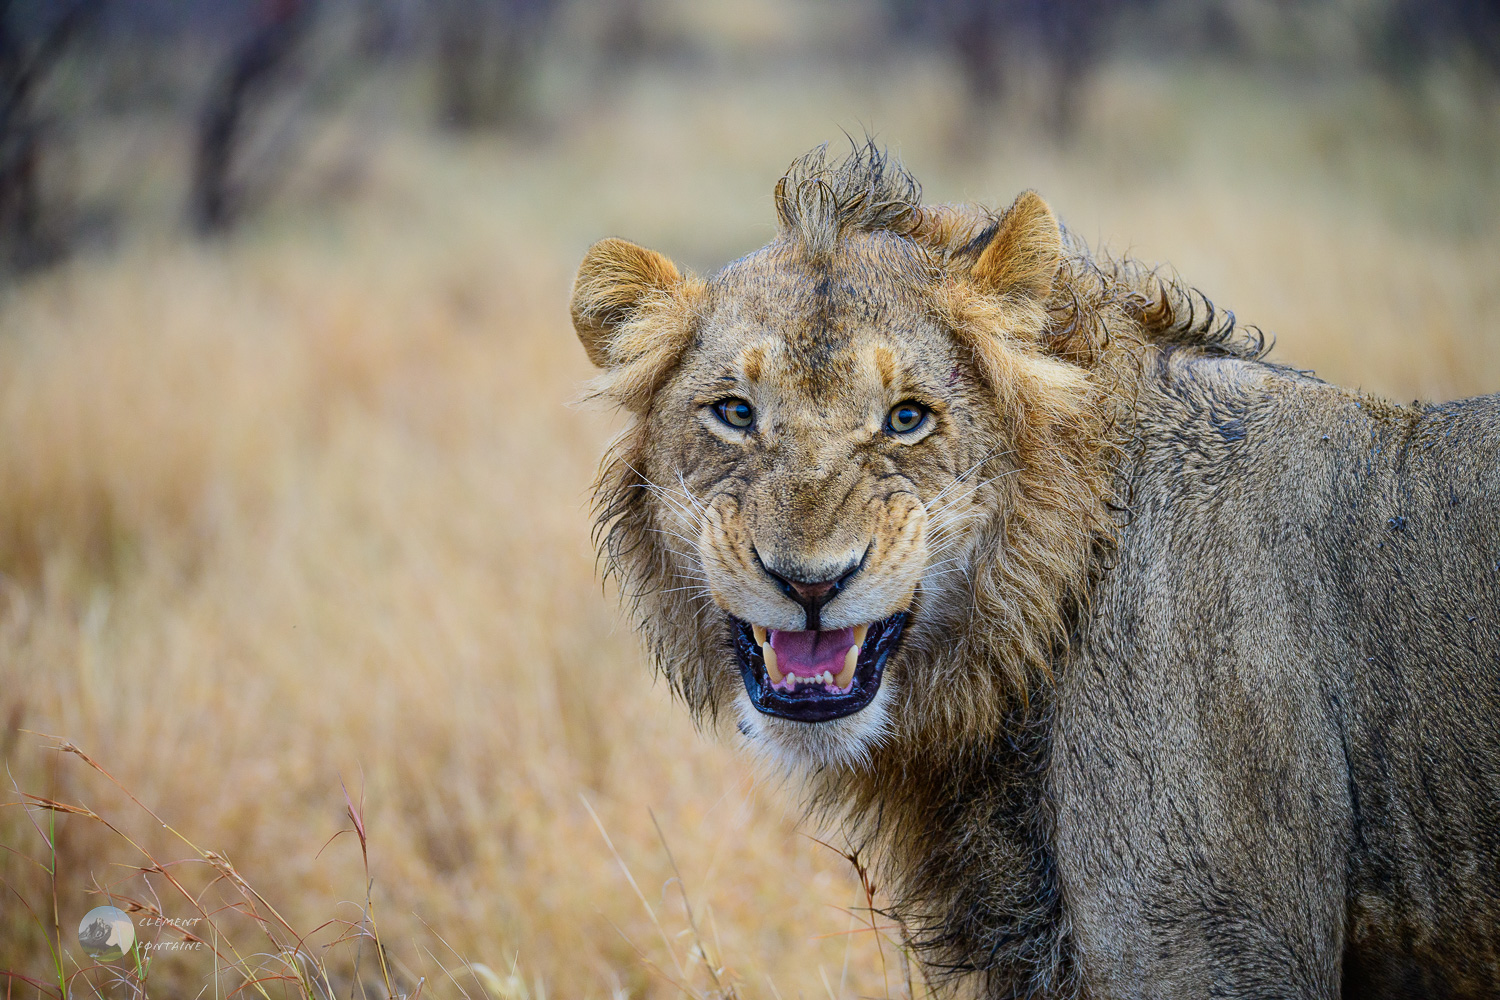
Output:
x,y
814,676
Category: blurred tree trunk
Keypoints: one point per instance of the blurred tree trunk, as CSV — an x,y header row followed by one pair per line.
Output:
x,y
992,41
626,38
28,235
977,40
246,77
1415,34
1072,35
487,51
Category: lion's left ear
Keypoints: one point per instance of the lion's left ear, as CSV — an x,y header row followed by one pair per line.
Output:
x,y
1023,256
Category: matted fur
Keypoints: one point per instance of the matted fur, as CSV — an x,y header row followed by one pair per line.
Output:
x,y
1059,370
1021,777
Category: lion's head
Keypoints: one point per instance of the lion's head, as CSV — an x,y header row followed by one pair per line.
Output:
x,y
867,475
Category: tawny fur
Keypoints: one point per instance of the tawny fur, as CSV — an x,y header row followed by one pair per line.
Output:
x,y
1095,414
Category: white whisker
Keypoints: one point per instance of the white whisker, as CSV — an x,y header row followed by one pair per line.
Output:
x,y
693,511
700,591
969,492
674,534
962,476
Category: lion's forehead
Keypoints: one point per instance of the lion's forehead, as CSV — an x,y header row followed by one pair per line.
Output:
x,y
830,325
867,280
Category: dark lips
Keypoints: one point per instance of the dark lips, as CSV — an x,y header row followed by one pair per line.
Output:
x,y
814,703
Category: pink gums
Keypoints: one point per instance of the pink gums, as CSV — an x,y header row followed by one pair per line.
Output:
x,y
808,654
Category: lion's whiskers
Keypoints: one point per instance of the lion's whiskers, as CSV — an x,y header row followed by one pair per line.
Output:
x,y
673,534
974,488
700,590
686,568
947,520
953,560
964,475
948,531
683,489
693,511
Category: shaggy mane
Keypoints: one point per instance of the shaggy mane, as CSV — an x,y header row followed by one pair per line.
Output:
x,y
819,202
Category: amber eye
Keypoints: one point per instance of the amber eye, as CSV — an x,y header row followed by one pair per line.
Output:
x,y
906,417
735,412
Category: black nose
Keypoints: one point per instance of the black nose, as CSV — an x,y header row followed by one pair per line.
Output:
x,y
813,594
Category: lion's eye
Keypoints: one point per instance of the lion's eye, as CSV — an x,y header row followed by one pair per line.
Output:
x,y
906,417
735,412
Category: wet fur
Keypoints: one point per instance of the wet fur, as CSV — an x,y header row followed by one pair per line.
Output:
x,y
1221,665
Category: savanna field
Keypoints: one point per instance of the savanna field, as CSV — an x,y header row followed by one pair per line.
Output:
x,y
307,509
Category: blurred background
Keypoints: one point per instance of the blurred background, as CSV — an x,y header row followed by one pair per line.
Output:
x,y
294,490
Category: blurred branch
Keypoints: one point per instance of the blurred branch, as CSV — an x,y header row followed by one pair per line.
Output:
x,y
242,86
26,233
992,40
1415,34
487,50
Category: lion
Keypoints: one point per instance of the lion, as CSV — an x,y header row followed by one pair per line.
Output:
x,y
1141,665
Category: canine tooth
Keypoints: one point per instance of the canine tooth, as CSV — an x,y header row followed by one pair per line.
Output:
x,y
860,631
760,634
770,655
851,660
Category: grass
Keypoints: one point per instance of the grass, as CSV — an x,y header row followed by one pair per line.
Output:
x,y
308,510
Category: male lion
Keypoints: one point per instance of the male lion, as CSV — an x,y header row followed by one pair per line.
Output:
x,y
1145,667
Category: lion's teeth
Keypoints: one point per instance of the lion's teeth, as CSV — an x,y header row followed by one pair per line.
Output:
x,y
760,634
860,631
851,660
770,655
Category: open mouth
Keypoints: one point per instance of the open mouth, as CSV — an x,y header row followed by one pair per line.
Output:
x,y
814,676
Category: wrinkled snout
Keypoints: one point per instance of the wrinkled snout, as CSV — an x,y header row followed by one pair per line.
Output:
x,y
812,594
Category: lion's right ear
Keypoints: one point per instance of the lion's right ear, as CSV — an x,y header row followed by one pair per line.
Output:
x,y
613,281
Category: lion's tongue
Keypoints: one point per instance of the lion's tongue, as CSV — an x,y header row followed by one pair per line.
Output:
x,y
808,654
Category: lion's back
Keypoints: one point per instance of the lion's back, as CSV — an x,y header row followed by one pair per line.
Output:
x,y
1292,673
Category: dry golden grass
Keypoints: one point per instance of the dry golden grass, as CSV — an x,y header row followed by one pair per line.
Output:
x,y
312,506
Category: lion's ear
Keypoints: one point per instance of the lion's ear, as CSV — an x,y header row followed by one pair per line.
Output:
x,y
1023,256
615,277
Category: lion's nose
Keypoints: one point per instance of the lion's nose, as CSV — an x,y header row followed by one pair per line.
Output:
x,y
812,595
